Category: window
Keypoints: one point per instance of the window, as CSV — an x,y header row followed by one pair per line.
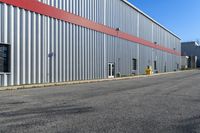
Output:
x,y
134,64
165,67
155,65
4,58
177,66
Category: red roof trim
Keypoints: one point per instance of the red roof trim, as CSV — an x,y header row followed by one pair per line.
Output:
x,y
44,9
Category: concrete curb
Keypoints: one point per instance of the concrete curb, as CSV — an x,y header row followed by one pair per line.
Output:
x,y
82,82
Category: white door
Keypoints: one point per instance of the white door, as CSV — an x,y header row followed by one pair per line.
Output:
x,y
111,70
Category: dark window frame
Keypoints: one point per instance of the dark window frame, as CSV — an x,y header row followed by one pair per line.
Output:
x,y
113,69
178,66
155,65
134,64
6,65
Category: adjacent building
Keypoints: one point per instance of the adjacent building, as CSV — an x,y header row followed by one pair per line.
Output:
x,y
192,51
65,40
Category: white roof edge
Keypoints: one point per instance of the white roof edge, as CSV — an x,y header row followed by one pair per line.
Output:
x,y
194,42
137,9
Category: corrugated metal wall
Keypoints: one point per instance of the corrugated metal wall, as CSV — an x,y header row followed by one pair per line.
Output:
x,y
46,50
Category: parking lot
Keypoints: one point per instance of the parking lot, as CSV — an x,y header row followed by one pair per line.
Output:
x,y
159,104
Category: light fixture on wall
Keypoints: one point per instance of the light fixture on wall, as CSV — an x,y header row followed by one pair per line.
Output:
x,y
117,29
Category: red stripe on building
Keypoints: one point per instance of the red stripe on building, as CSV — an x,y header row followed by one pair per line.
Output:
x,y
44,9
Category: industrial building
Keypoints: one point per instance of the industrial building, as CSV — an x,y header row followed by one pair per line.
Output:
x,y
66,40
192,51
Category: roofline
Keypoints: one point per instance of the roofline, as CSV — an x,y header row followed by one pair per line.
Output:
x,y
137,9
189,42
195,42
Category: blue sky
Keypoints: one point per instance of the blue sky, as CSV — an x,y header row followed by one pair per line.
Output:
x,y
180,17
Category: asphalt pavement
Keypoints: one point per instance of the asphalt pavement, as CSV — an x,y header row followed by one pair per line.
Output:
x,y
159,104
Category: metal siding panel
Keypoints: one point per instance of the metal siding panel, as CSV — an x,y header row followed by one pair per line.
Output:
x,y
63,69
83,54
90,54
73,52
5,24
48,50
60,52
23,48
33,48
52,50
56,48
1,25
68,52
38,50
76,53
6,34
17,46
86,54
11,41
80,53
28,43
79,43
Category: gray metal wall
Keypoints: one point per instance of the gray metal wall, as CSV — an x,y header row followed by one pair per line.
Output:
x,y
79,53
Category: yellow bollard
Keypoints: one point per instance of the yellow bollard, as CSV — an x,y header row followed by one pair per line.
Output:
x,y
148,70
